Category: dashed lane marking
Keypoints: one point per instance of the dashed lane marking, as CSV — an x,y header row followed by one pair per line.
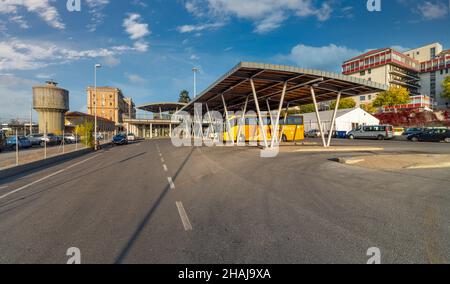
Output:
x,y
172,185
184,218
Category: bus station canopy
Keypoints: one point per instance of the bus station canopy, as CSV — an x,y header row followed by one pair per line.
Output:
x,y
161,107
234,89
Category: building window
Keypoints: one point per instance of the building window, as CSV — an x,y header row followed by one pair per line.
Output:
x,y
442,71
362,98
433,53
370,71
370,79
370,97
446,71
362,73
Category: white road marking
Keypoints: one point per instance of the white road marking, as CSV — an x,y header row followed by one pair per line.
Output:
x,y
162,160
47,177
160,154
172,185
165,168
184,218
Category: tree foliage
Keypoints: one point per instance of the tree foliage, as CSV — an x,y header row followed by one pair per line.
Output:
x,y
184,97
369,108
345,103
446,88
393,96
306,108
86,132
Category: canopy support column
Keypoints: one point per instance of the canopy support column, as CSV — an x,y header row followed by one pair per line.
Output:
x,y
333,122
242,121
277,118
258,110
319,121
230,135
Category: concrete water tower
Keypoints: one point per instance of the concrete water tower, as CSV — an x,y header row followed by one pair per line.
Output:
x,y
51,104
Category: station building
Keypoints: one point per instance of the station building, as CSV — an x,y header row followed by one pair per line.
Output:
x,y
157,122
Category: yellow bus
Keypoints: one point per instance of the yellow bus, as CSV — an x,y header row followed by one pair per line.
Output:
x,y
293,129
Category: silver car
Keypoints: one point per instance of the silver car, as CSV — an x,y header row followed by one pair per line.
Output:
x,y
379,132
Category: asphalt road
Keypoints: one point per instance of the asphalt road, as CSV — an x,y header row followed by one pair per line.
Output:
x,y
152,203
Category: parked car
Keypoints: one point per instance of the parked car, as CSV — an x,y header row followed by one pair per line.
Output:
x,y
2,140
411,131
36,139
131,137
431,135
120,139
71,138
313,133
379,132
23,143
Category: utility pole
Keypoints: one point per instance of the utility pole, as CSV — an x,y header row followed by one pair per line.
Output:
x,y
97,66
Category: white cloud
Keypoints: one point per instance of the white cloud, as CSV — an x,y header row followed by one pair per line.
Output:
x,y
329,57
134,27
134,78
266,15
16,54
200,27
433,11
42,8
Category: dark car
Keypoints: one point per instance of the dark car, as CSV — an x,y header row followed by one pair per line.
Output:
x,y
432,135
2,140
412,131
120,139
24,143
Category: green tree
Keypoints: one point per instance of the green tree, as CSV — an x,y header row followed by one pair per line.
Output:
x,y
369,108
86,133
393,96
307,108
184,97
446,88
345,103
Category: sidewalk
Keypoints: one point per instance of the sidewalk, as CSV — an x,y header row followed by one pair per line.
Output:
x,y
399,162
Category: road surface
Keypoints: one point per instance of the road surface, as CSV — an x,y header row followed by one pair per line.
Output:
x,y
150,202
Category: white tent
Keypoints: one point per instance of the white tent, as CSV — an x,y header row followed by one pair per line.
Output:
x,y
346,119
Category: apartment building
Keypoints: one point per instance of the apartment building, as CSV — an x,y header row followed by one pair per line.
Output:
x,y
110,104
419,70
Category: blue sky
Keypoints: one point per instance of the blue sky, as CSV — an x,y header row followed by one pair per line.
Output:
x,y
148,48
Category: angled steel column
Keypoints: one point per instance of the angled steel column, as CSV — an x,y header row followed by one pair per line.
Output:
x,y
277,120
333,121
258,110
210,121
230,135
319,121
242,121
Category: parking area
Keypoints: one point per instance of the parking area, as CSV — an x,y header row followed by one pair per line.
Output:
x,y
151,202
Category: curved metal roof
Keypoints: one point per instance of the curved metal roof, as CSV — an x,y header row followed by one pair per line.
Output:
x,y
164,107
269,80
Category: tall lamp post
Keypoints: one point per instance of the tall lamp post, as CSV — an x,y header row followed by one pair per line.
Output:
x,y
195,70
97,66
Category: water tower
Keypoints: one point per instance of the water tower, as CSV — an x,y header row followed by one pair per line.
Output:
x,y
51,104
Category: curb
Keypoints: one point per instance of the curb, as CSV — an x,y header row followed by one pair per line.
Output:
x,y
10,172
350,161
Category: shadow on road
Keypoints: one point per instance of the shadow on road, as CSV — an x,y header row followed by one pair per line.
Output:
x,y
125,251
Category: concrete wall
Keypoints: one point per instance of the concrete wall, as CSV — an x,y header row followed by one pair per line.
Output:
x,y
425,80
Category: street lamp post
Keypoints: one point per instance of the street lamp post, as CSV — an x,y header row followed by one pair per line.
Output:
x,y
195,70
97,66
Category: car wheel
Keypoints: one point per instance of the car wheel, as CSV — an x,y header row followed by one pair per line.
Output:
x,y
380,137
415,139
351,137
284,138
